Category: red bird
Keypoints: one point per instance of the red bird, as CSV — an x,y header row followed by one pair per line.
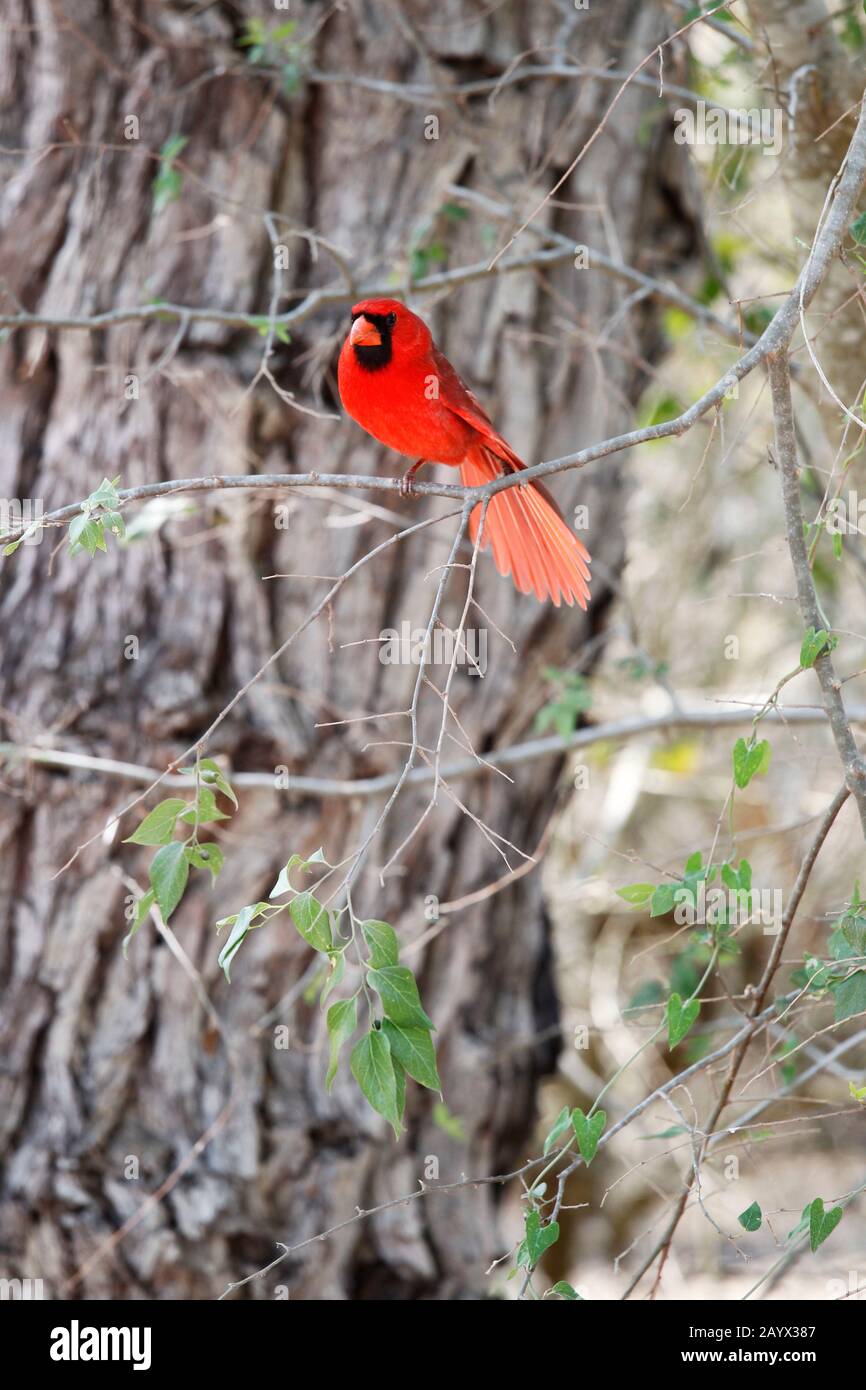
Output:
x,y
398,386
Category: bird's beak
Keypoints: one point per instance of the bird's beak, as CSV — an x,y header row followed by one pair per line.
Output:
x,y
364,333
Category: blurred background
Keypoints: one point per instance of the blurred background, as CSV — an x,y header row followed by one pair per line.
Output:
x,y
162,1128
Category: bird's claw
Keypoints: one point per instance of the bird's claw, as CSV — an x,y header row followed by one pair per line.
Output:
x,y
407,482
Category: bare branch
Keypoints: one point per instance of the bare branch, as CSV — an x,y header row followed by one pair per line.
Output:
x,y
786,452
616,730
662,1249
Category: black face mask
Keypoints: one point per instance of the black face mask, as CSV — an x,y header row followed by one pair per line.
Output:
x,y
372,357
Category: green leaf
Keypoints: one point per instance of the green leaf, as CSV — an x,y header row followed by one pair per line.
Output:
x,y
814,643
589,1130
373,1070
255,33
169,871
665,1133
751,1218
383,944
850,996
802,1225
822,1223
257,909
241,924
207,809
453,1125
564,1290
636,893
574,699
167,188
750,759
664,899
208,856
858,228
336,971
398,990
560,1127
853,928
142,908
312,921
174,146
680,1018
106,496
539,1238
211,774
400,1080
86,534
284,882
414,1050
738,880
342,1021
157,827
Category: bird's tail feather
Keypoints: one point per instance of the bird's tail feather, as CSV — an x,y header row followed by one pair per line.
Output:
x,y
529,537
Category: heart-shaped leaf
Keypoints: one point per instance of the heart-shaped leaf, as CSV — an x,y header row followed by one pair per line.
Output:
x,y
539,1238
822,1223
589,1130
751,1218
749,759
814,643
561,1126
680,1018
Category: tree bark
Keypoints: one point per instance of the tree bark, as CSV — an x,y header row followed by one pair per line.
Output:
x,y
114,1069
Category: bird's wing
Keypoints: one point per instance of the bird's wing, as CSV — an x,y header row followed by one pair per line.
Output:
x,y
456,395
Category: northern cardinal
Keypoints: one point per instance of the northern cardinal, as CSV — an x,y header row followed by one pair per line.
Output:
x,y
399,387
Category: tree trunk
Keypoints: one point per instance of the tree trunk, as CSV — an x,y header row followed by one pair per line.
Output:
x,y
817,83
114,1069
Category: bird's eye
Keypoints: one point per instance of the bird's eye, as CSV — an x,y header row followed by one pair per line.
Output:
x,y
391,320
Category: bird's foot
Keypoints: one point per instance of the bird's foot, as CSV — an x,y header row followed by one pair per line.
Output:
x,y
408,478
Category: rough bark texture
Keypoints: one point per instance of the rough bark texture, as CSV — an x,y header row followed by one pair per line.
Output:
x,y
817,82
104,1059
